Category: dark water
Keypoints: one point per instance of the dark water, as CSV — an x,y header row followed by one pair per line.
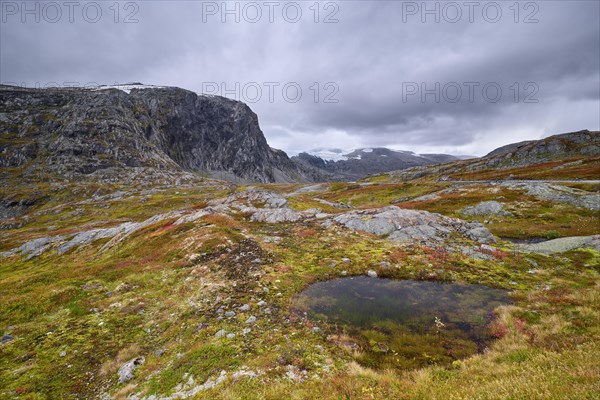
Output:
x,y
394,322
525,241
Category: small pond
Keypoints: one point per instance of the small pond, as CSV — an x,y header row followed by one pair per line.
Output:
x,y
403,324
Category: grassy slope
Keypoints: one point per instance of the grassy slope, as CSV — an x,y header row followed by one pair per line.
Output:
x,y
102,309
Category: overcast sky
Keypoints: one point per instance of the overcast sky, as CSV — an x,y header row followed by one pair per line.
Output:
x,y
371,73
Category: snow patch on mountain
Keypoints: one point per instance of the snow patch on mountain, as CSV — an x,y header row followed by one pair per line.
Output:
x,y
127,88
330,154
333,154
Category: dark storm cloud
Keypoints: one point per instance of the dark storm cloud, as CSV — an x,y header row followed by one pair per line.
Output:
x,y
366,61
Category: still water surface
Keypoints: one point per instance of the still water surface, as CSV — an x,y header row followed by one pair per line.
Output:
x,y
404,323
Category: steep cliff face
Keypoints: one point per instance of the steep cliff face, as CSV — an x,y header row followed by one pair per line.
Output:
x,y
78,133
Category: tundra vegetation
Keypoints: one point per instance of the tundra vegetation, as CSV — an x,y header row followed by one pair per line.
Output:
x,y
195,294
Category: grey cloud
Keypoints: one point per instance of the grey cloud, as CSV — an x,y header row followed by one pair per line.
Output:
x,y
368,55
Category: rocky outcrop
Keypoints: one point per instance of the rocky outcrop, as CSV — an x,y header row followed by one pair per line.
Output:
x,y
562,244
275,216
261,206
126,370
34,247
559,194
486,208
14,205
402,225
74,133
117,234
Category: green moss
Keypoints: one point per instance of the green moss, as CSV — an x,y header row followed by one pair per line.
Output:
x,y
517,356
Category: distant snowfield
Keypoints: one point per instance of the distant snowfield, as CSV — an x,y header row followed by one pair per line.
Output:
x,y
330,154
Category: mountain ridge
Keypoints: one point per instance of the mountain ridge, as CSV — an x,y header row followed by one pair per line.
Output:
x,y
358,163
141,133
566,155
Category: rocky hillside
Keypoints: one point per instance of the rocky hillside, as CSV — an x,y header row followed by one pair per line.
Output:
x,y
356,164
574,155
566,145
113,133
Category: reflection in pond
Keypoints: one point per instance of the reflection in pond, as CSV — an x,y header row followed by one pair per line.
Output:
x,y
403,324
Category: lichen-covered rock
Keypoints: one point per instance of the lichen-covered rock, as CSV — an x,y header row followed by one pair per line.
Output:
x,y
559,194
419,232
480,234
486,208
382,223
6,338
220,333
402,225
276,215
88,237
265,198
34,247
126,370
562,244
253,197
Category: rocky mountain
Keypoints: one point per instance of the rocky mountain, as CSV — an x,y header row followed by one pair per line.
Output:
x,y
134,131
358,163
